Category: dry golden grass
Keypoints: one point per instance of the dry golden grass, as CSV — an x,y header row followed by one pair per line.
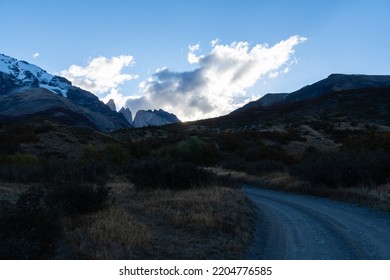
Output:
x,y
207,223
284,181
215,222
375,197
108,234
238,175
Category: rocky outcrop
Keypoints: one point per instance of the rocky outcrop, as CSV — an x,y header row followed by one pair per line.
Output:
x,y
111,104
153,118
127,113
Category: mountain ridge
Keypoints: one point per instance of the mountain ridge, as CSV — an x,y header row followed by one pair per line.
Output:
x,y
19,77
333,83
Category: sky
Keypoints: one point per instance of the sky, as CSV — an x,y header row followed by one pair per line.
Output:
x,y
196,59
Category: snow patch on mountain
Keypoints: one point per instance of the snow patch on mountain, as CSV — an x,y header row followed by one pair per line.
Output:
x,y
27,74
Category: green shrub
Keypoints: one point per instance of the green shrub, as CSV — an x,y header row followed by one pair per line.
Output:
x,y
114,153
76,198
161,173
22,159
30,228
196,150
90,152
8,143
258,167
111,153
92,170
19,167
346,168
368,141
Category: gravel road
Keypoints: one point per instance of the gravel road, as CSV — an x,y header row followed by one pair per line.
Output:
x,y
292,226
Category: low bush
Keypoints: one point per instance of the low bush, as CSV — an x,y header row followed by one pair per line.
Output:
x,y
29,228
65,171
27,168
196,150
76,198
162,173
346,168
32,227
112,153
22,159
259,167
19,167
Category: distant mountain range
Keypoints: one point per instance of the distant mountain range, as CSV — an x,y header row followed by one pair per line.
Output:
x,y
27,91
333,83
145,117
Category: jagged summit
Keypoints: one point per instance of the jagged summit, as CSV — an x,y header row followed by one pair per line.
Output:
x,y
111,104
127,113
154,118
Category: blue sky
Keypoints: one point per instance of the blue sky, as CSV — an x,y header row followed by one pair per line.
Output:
x,y
137,38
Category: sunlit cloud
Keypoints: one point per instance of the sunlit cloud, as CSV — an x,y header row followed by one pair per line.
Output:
x,y
220,82
102,74
35,55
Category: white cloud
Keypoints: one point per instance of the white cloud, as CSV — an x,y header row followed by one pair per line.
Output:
x,y
102,74
219,84
191,57
275,74
35,55
214,42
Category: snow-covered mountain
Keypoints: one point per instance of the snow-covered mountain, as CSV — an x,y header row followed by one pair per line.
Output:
x,y
20,77
22,74
153,118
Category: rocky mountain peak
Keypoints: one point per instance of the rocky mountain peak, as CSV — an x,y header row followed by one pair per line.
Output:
x,y
127,113
111,104
154,118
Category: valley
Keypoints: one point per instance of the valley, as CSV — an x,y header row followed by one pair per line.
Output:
x,y
110,189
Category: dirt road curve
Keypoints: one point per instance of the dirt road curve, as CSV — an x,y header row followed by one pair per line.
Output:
x,y
292,227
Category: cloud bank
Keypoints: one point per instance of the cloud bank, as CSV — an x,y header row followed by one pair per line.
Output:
x,y
101,75
216,86
219,84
